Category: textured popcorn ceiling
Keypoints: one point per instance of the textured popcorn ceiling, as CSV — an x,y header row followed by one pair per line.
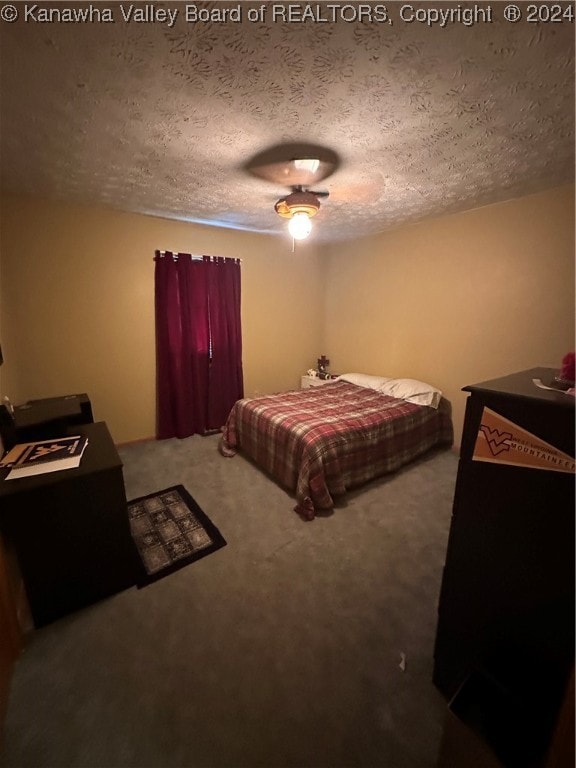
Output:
x,y
160,119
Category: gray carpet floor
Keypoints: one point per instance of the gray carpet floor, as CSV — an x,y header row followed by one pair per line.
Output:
x,y
281,650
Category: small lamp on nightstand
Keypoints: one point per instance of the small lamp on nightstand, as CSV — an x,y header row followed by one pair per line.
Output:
x,y
323,364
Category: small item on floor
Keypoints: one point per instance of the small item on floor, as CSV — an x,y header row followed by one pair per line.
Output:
x,y
402,664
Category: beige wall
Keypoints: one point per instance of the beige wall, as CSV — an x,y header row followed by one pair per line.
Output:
x,y
453,301
458,299
77,306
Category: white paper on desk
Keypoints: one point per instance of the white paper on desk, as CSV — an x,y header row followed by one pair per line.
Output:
x,y
42,469
539,384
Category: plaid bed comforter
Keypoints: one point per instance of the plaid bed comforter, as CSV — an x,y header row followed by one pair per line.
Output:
x,y
322,441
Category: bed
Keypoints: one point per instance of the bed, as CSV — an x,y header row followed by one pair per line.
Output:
x,y
326,440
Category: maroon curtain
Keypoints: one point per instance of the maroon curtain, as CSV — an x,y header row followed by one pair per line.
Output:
x,y
198,342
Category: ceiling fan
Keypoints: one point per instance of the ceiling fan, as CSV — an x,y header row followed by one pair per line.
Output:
x,y
299,206
297,166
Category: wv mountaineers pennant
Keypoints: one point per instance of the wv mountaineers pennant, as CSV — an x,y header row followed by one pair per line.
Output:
x,y
500,441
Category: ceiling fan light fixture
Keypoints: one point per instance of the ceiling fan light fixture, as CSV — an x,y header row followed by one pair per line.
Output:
x,y
299,207
308,164
300,226
298,202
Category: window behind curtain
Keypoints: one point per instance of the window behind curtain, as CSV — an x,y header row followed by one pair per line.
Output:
x,y
198,342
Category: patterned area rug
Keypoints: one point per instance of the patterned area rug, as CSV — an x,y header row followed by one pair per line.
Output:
x,y
170,531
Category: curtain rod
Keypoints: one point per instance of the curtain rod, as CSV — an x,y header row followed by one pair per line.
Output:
x,y
193,256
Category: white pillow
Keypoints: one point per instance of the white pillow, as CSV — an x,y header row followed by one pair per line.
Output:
x,y
413,391
364,380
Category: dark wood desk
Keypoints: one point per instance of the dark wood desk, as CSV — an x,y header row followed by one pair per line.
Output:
x,y
70,530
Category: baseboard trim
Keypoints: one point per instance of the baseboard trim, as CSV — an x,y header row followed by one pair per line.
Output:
x,y
136,442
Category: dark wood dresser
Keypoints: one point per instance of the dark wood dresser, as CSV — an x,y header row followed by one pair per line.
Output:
x,y
70,530
506,608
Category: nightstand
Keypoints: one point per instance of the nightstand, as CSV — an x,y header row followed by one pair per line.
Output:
x,y
313,381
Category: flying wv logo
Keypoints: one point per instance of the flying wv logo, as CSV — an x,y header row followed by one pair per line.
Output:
x,y
501,441
497,441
